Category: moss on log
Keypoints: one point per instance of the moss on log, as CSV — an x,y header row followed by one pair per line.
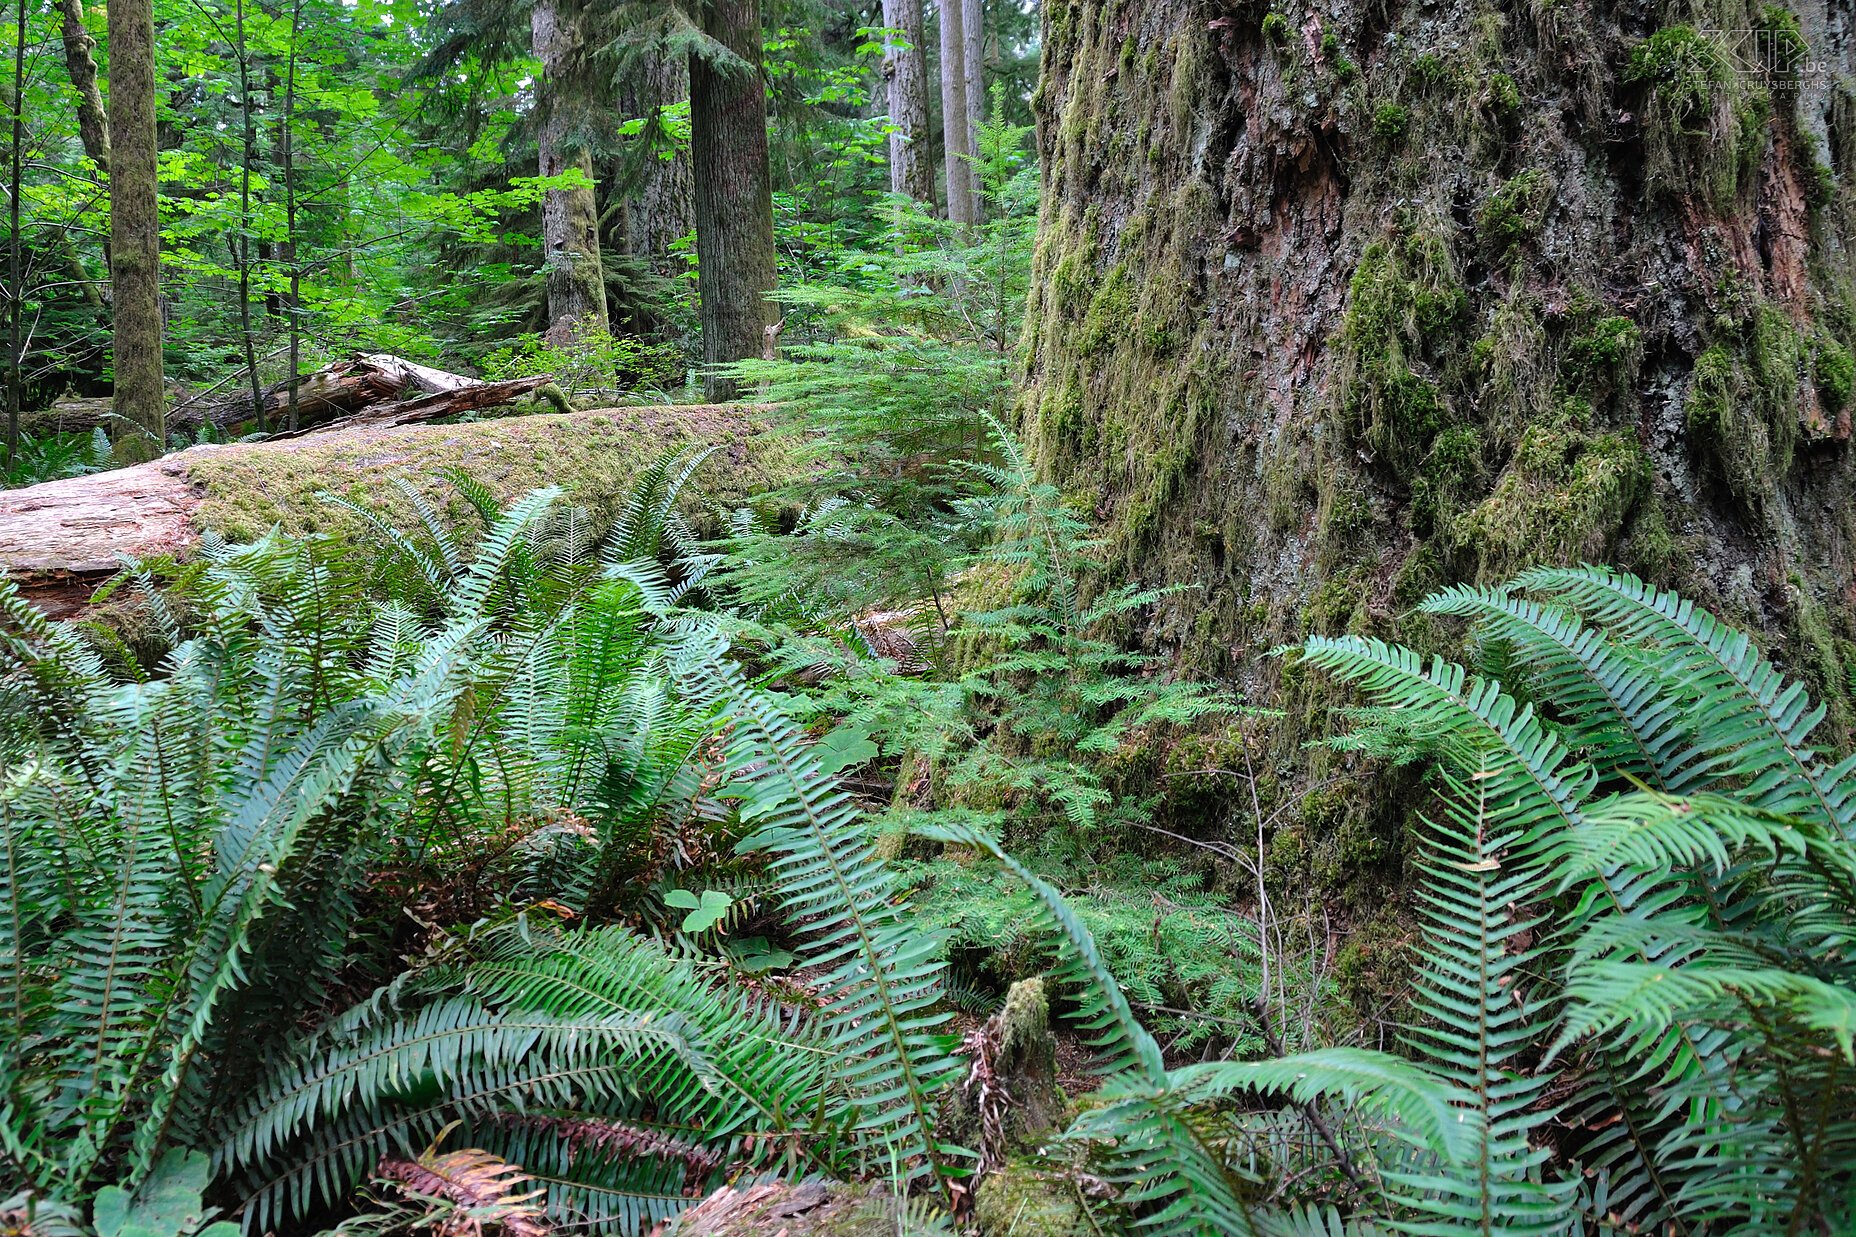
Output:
x,y
60,539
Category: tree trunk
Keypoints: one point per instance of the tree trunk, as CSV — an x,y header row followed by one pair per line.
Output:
x,y
957,148
734,195
93,127
973,74
660,212
905,69
569,217
135,236
1331,312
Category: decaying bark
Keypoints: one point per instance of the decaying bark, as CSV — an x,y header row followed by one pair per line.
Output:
x,y
797,1209
569,217
734,194
386,389
905,70
475,397
135,238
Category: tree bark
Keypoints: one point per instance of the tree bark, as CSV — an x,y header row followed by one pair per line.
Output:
x,y
93,127
973,73
957,149
661,209
1315,353
135,236
905,69
734,194
569,217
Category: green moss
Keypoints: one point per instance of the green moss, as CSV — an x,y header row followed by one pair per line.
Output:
x,y
1741,407
593,456
1404,305
1449,475
1563,498
1337,606
1276,28
1111,312
1821,186
1834,371
1431,70
1390,120
1514,213
1503,94
1019,1200
1703,122
1603,355
1784,46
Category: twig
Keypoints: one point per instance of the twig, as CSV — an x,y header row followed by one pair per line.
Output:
x,y
1309,1112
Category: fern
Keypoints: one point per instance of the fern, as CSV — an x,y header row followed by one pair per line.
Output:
x,y
881,985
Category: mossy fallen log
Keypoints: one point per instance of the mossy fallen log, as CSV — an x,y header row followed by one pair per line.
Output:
x,y
59,540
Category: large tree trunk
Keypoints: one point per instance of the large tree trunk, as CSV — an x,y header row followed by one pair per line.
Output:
x,y
734,195
569,217
956,144
135,236
1343,303
93,127
905,69
660,210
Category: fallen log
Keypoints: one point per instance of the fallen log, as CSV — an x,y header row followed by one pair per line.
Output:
x,y
474,397
378,383
390,389
61,539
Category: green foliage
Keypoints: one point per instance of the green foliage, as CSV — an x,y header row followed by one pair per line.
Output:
x,y
1696,849
223,858
595,365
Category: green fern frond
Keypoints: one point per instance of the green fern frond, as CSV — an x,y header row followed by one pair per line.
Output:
x,y
881,984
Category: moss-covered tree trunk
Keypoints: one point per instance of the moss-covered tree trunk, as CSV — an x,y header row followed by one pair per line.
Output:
x,y
570,216
135,234
80,62
658,208
1338,303
734,193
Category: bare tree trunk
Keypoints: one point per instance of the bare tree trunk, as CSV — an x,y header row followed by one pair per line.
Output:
x,y
16,281
286,252
661,211
569,217
93,127
135,233
905,66
734,195
973,73
957,148
242,252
